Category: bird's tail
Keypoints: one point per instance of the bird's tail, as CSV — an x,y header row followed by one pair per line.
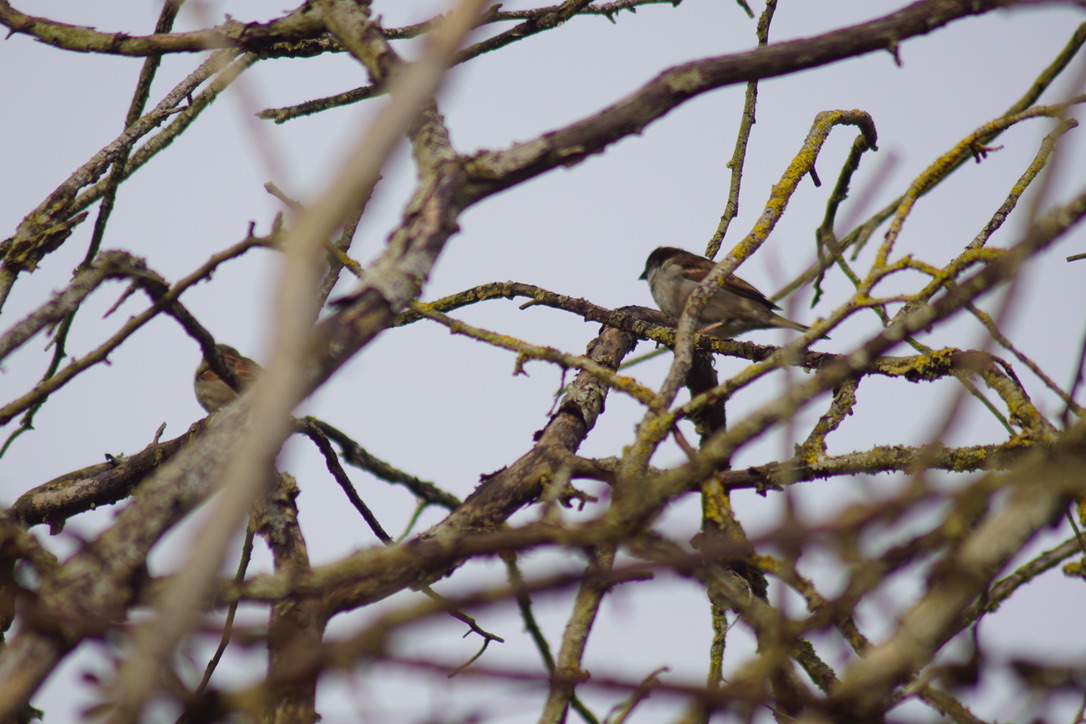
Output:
x,y
786,323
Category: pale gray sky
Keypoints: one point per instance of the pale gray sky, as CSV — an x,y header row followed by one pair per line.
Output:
x,y
455,411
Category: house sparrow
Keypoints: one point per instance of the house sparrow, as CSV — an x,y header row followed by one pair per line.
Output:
x,y
735,308
211,391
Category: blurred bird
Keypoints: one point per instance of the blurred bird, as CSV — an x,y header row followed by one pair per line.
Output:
x,y
211,391
735,308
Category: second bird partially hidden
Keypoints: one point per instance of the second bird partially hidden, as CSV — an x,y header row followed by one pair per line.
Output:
x,y
211,391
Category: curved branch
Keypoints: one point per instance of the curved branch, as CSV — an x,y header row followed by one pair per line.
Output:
x,y
165,300
494,171
301,24
643,503
501,494
298,34
97,485
1038,490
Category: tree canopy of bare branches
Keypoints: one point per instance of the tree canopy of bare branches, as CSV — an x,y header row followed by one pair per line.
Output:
x,y
906,468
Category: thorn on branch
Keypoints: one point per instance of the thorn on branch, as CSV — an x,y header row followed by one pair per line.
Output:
x,y
518,367
980,151
473,659
572,494
763,484
473,627
559,488
129,291
895,51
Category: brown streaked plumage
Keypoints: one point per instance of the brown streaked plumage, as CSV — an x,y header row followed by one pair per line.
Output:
x,y
211,391
736,308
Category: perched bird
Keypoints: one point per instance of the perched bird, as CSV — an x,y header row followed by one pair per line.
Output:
x,y
211,391
735,308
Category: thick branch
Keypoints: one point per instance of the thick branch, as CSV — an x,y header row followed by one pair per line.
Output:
x,y
501,494
494,171
1039,491
300,24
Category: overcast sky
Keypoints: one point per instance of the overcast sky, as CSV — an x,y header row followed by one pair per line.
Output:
x,y
447,409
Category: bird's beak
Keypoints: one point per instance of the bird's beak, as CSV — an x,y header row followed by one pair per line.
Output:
x,y
644,275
